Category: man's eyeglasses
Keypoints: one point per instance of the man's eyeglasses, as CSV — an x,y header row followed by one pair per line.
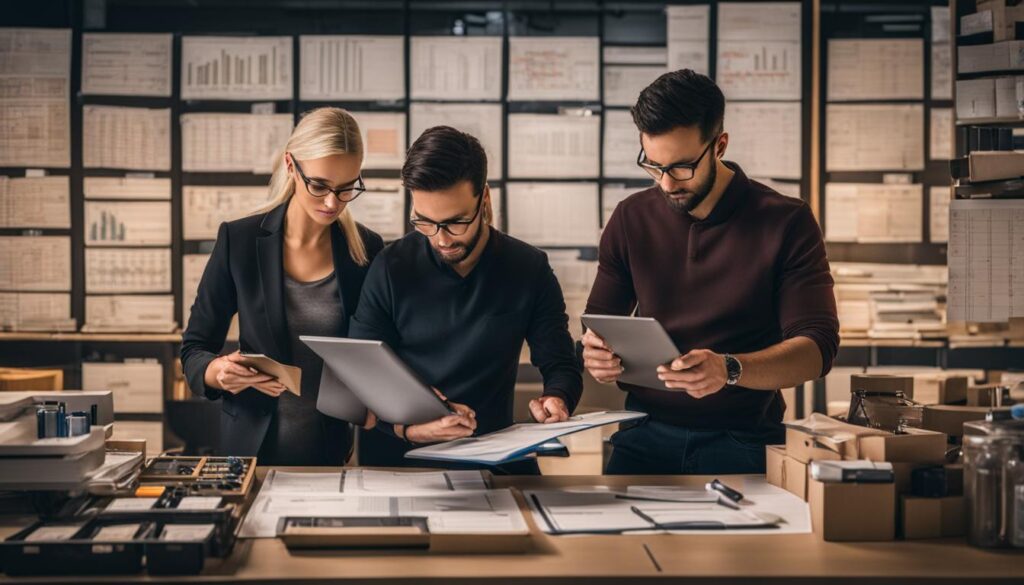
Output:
x,y
456,227
319,190
678,171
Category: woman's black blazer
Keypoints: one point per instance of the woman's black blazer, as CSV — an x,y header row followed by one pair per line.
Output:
x,y
245,275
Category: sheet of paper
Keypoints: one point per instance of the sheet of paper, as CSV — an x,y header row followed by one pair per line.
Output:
x,y
765,138
554,214
616,55
759,55
575,275
517,439
498,218
975,98
550,146
35,115
482,121
873,212
200,503
351,67
382,208
611,196
192,267
456,68
874,137
127,270
288,482
36,312
383,139
941,55
553,68
127,64
50,533
789,188
137,387
938,203
35,263
186,532
116,533
233,142
127,223
115,137
203,209
35,202
130,504
127,188
986,260
236,68
940,132
688,37
875,69
129,313
623,83
621,146
378,482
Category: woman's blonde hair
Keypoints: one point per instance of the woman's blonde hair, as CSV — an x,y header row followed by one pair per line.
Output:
x,y
321,132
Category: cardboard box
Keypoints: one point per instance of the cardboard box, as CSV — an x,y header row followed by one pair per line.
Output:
x,y
932,517
822,438
913,446
940,389
949,419
785,472
1005,16
986,395
883,383
852,511
995,166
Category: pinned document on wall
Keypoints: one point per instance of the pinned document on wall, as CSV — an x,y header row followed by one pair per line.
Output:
x,y
759,56
874,137
621,146
36,312
127,270
236,68
382,208
127,223
875,69
611,196
129,187
203,209
553,146
553,68
986,260
132,64
938,204
482,121
383,139
129,313
554,214
873,213
35,114
351,67
456,68
941,54
115,137
688,32
35,263
35,202
765,138
940,132
248,143
623,83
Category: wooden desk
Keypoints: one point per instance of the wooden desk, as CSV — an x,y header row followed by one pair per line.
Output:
x,y
713,557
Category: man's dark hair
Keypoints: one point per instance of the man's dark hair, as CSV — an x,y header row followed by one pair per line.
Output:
x,y
680,98
441,158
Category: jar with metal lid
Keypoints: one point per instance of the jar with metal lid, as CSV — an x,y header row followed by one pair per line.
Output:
x,y
994,479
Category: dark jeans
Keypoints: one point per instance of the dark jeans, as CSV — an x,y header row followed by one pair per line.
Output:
x,y
657,448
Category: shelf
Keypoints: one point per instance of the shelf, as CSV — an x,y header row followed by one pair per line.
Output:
x,y
77,337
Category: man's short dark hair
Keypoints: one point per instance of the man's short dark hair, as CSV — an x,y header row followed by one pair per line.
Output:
x,y
443,157
680,98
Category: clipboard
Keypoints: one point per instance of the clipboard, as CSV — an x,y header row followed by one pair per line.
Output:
x,y
290,376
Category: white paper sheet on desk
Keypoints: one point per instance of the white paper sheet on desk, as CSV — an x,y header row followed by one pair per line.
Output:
x,y
485,511
126,64
572,511
388,483
455,68
517,440
351,67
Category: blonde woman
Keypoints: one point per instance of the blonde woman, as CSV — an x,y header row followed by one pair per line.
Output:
x,y
294,268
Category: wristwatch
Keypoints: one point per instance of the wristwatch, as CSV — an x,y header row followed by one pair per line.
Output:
x,y
733,369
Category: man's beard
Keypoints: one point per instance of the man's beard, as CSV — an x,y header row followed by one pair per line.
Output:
x,y
467,249
698,196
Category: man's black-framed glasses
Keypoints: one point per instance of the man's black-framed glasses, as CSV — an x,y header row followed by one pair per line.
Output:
x,y
678,171
319,190
457,227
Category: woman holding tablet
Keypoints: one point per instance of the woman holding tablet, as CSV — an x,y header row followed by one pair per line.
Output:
x,y
294,268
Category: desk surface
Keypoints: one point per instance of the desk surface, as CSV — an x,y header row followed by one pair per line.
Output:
x,y
720,558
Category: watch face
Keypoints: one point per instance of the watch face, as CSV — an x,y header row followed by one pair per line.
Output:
x,y
732,368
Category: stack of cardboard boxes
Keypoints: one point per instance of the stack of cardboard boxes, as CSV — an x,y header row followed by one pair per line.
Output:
x,y
924,501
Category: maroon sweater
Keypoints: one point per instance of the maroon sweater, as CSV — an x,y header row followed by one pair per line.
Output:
x,y
750,275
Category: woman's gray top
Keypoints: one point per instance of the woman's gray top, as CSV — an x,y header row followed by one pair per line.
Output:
x,y
299,434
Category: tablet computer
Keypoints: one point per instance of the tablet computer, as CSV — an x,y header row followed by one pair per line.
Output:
x,y
371,372
640,342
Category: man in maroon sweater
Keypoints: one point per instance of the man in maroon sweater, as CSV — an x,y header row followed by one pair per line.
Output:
x,y
737,275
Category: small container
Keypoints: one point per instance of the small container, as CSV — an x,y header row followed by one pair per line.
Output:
x,y
78,423
994,481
